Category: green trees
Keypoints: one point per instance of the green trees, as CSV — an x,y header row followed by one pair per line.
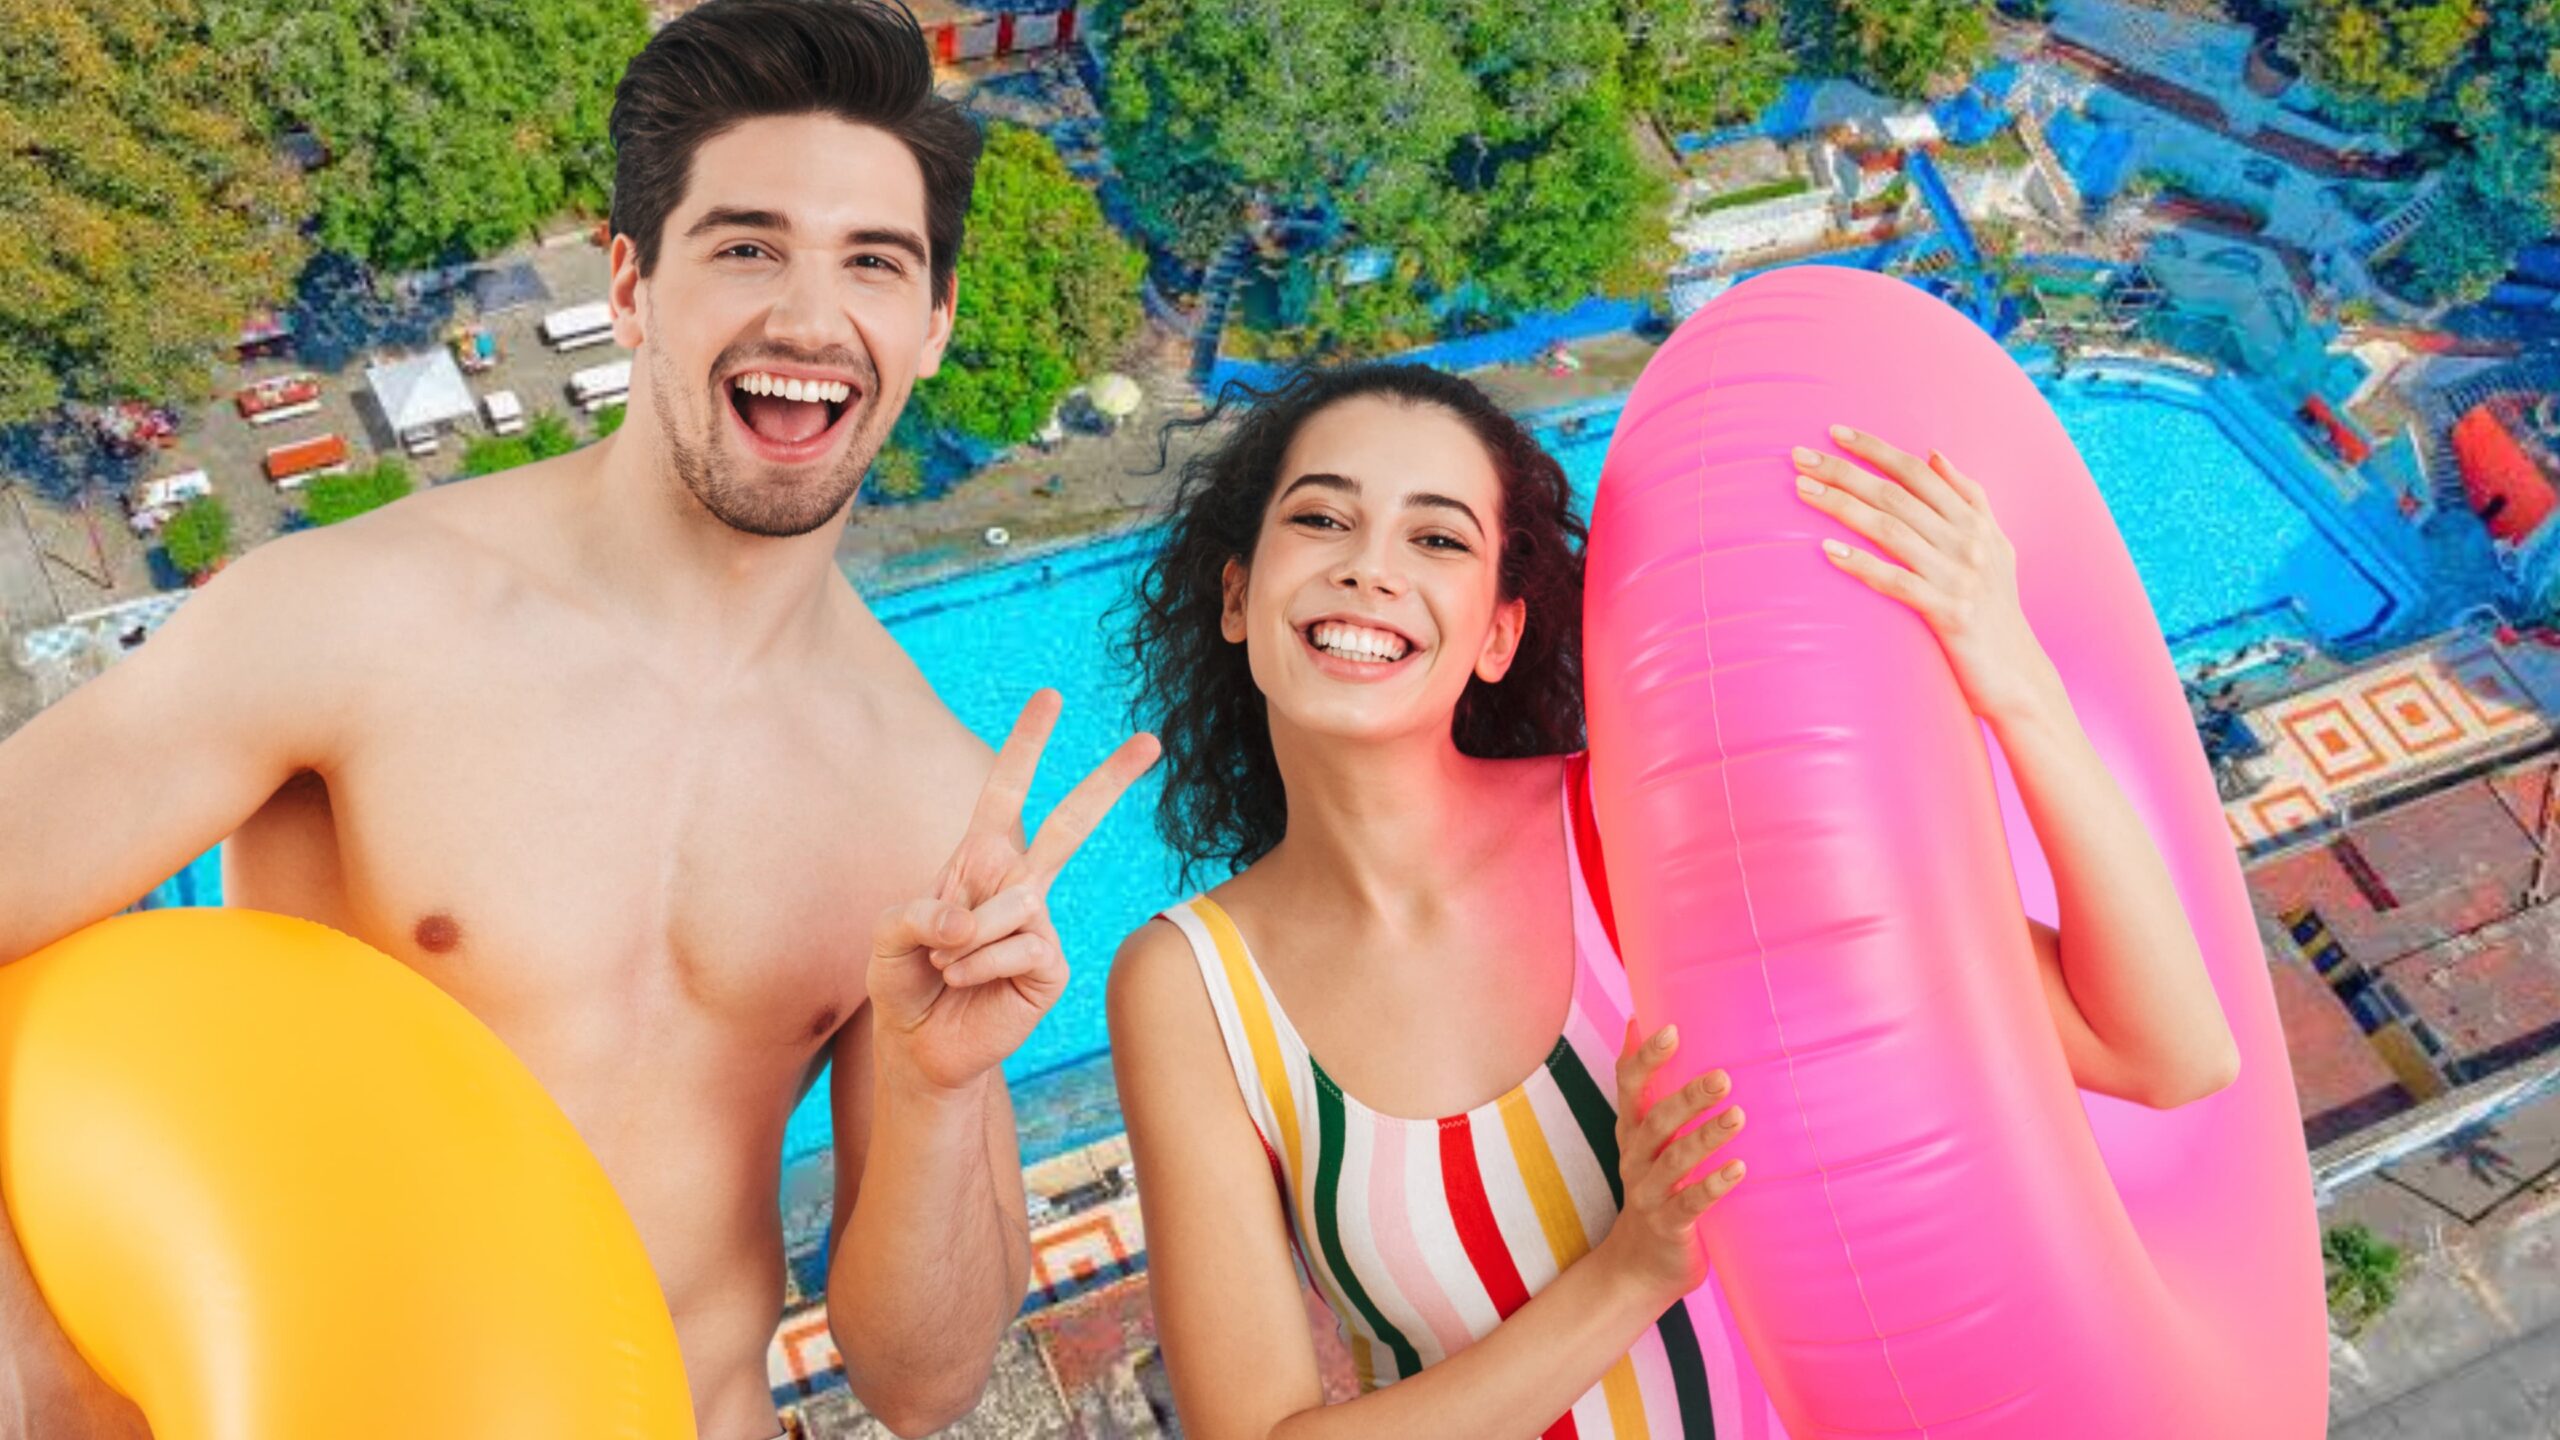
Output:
x,y
2392,52
143,211
2469,86
1698,64
456,126
146,205
1491,147
1895,46
1048,295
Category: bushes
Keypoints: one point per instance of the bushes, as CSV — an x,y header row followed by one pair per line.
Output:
x,y
198,537
328,499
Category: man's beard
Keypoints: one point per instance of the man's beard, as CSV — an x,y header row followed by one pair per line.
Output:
x,y
710,472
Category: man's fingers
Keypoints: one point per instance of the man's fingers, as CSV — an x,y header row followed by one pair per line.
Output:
x,y
1013,908
1027,955
1076,816
1000,800
918,925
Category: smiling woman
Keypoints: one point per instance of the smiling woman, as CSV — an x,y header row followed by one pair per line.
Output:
x,y
1362,638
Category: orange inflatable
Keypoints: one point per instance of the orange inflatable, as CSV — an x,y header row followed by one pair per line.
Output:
x,y
277,1186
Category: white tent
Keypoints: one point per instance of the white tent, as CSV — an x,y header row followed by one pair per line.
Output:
x,y
421,392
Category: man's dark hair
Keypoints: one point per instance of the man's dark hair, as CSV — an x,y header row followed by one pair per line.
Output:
x,y
727,61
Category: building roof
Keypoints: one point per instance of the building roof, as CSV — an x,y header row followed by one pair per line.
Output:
x,y
420,390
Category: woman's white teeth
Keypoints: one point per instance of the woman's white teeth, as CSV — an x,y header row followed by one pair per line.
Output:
x,y
1353,642
756,382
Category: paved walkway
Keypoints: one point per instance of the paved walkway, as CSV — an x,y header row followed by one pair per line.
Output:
x,y
2458,698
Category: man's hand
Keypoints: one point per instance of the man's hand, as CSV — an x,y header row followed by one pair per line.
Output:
x,y
959,979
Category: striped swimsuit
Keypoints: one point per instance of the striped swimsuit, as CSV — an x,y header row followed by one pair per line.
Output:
x,y
1422,1235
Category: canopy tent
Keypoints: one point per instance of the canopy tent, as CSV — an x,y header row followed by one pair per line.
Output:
x,y
420,392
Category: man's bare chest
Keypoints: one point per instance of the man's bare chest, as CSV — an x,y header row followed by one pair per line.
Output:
x,y
608,861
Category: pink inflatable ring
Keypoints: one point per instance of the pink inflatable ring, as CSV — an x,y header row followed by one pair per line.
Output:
x,y
1820,871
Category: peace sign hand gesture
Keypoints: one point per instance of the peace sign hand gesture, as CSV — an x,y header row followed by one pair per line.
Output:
x,y
958,980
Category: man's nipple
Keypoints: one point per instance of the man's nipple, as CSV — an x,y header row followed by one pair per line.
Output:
x,y
438,933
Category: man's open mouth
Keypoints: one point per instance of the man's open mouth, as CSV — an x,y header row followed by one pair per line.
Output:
x,y
786,410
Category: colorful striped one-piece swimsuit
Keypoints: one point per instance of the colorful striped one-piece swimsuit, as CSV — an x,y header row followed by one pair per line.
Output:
x,y
1422,1235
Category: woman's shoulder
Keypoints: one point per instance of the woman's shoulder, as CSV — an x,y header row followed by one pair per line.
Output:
x,y
1153,976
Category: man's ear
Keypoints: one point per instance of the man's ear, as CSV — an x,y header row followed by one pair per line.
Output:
x,y
624,291
1502,642
938,331
1231,581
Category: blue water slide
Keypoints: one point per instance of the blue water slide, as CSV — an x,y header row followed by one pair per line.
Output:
x,y
1987,309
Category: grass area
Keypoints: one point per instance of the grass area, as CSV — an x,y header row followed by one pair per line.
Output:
x,y
2002,151
1752,194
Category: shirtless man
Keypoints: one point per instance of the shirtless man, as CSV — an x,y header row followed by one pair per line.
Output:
x,y
608,748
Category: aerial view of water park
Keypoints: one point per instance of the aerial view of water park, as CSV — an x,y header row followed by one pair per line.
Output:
x,y
2287,271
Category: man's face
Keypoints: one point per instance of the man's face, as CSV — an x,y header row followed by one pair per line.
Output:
x,y
796,261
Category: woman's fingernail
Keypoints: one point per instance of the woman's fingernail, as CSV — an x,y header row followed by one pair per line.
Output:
x,y
1843,432
1808,485
1804,456
1669,1037
1733,1171
1834,549
1731,1119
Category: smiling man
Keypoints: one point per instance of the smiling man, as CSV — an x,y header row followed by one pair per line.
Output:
x,y
608,748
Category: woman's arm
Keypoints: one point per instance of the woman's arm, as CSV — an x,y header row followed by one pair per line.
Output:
x,y
2128,990
1233,1327
2130,994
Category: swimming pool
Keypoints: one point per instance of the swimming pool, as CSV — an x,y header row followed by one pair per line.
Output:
x,y
2211,534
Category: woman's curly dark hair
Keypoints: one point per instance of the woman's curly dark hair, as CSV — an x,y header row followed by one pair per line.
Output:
x,y
1222,797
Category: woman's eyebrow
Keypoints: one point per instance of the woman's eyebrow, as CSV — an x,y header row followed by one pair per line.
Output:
x,y
1326,479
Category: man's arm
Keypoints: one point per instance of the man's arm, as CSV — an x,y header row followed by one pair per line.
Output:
x,y
117,786
120,783
930,1248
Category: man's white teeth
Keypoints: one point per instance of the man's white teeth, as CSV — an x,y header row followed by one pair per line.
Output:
x,y
756,382
1354,642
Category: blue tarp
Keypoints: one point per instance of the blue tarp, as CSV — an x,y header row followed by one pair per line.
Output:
x,y
2094,153
1969,118
1523,341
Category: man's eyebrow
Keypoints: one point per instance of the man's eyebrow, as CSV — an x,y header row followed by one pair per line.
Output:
x,y
720,217
1327,480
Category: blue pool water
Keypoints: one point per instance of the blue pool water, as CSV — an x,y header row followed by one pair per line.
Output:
x,y
2210,533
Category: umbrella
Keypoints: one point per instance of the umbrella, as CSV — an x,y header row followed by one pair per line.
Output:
x,y
1115,396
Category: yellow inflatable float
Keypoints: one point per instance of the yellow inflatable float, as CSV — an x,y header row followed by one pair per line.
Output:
x,y
277,1186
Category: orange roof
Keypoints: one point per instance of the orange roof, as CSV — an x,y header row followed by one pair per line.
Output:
x,y
2504,482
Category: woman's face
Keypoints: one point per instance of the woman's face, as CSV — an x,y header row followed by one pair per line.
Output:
x,y
1372,596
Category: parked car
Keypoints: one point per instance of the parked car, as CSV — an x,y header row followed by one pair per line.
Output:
x,y
503,411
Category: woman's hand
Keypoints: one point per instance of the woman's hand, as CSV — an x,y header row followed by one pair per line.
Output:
x,y
1963,575
1655,1240
958,979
